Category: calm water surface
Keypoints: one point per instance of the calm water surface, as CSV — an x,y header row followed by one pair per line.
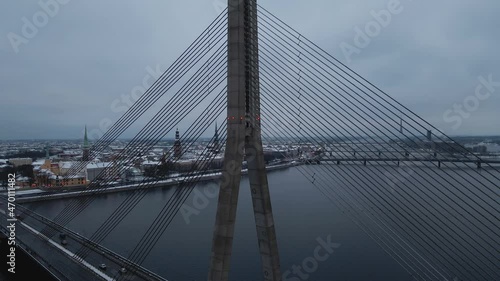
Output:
x,y
302,215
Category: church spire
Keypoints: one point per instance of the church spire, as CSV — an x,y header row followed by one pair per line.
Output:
x,y
85,138
177,145
86,147
215,144
216,131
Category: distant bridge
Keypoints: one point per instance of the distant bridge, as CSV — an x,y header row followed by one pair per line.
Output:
x,y
479,163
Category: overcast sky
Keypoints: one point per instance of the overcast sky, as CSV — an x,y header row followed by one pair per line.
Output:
x,y
92,52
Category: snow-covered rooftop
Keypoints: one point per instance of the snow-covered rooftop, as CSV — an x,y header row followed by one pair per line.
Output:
x,y
97,165
147,163
38,162
66,164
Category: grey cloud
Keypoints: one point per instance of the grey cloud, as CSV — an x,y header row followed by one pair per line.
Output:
x,y
92,52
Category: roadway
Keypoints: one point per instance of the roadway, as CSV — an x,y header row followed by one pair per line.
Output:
x,y
61,259
54,258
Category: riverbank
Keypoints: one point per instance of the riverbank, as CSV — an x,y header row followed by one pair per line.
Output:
x,y
35,194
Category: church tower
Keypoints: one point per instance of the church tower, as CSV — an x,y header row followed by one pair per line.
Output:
x,y
216,140
177,145
86,147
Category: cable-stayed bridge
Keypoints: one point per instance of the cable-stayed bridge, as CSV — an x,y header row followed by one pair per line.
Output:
x,y
271,84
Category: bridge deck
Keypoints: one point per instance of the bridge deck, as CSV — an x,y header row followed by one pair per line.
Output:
x,y
60,260
57,262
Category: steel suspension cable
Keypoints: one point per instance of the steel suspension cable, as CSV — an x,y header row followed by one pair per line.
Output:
x,y
489,196
281,86
489,212
150,96
326,57
156,229
408,265
316,136
377,205
323,114
135,153
192,134
158,89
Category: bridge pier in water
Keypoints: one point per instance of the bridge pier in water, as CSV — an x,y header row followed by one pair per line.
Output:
x,y
243,139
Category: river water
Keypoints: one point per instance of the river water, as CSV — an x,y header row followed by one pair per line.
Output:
x,y
303,215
